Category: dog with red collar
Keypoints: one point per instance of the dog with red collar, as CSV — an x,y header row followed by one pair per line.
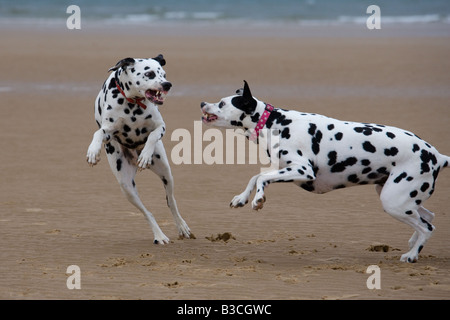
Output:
x,y
131,128
321,154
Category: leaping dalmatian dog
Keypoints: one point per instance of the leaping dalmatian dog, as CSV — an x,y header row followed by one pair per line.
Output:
x,y
131,128
321,154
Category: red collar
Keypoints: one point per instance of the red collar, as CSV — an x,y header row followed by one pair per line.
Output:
x,y
135,100
262,122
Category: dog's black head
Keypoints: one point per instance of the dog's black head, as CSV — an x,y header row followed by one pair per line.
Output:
x,y
230,112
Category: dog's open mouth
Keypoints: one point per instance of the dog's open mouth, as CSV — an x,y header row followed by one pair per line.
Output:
x,y
155,96
208,117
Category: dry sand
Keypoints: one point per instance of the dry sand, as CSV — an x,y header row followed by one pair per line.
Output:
x,y
56,211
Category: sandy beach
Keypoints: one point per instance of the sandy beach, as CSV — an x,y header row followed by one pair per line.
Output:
x,y
56,211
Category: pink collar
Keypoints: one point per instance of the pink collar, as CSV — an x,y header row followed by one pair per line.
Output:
x,y
134,101
262,122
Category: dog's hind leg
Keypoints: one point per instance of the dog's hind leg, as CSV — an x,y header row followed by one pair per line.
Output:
x,y
161,167
123,164
400,205
425,214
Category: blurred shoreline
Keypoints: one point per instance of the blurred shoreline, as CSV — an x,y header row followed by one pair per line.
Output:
x,y
235,28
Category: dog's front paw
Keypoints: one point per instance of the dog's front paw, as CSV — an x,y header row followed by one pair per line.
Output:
x,y
145,159
239,201
93,156
258,202
183,230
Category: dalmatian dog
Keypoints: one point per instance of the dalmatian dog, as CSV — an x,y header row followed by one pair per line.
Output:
x,y
321,154
131,128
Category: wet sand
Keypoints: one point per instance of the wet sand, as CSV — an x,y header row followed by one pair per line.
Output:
x,y
56,211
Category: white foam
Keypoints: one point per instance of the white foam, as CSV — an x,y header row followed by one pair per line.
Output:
x,y
428,18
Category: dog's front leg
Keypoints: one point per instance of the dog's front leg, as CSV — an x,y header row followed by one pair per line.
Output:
x,y
145,158
93,154
242,199
293,173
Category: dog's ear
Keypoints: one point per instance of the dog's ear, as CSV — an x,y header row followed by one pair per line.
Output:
x,y
240,91
160,59
249,102
122,64
246,94
246,102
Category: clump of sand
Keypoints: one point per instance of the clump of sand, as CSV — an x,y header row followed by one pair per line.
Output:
x,y
380,247
226,236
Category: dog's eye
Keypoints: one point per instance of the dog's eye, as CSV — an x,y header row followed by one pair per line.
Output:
x,y
150,74
221,104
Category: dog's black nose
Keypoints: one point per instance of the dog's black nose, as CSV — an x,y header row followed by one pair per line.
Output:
x,y
166,86
202,104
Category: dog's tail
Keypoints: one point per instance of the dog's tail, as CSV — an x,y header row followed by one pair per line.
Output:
x,y
444,161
